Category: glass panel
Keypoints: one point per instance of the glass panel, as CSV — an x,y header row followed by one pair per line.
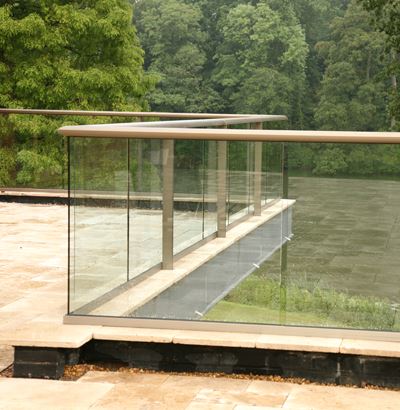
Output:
x,y
210,188
145,206
344,260
188,193
272,167
250,177
238,180
258,258
99,228
340,268
229,285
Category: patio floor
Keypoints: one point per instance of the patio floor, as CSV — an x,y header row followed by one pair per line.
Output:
x,y
105,390
33,287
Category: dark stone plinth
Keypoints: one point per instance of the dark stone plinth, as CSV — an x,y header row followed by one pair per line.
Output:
x,y
333,368
43,363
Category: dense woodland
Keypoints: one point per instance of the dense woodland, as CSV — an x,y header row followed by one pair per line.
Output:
x,y
326,64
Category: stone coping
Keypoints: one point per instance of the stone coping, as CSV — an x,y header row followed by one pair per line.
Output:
x,y
74,336
251,340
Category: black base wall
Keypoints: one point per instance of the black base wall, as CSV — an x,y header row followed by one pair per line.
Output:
x,y
43,363
317,367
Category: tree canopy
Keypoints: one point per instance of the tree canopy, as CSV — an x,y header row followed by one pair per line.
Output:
x,y
353,91
70,54
63,54
330,64
260,63
175,42
386,16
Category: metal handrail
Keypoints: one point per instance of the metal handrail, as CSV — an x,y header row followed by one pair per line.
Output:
x,y
139,114
197,120
115,131
221,122
173,129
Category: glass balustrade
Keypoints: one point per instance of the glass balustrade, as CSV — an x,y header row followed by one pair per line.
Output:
x,y
145,235
341,268
243,232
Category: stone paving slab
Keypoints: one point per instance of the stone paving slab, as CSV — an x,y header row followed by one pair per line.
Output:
x,y
334,398
6,357
122,390
42,334
47,394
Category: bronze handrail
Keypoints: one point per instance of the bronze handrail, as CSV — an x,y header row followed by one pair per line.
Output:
x,y
113,131
22,111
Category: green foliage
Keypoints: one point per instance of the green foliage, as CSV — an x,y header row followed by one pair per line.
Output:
x,y
65,54
326,304
151,179
174,41
372,161
104,171
36,167
7,165
319,61
331,162
301,157
353,93
71,54
386,16
260,63
386,13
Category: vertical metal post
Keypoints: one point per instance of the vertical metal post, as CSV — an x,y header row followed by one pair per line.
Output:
x,y
257,171
139,162
168,205
221,193
128,209
69,224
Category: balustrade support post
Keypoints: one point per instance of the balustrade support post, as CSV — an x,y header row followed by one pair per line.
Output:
x,y
168,206
258,146
222,192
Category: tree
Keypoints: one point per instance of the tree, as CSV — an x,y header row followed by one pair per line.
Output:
x,y
260,63
315,17
386,15
65,54
353,93
174,43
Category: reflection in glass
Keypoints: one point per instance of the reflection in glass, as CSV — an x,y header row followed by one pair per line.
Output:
x,y
341,267
145,205
99,228
240,179
189,169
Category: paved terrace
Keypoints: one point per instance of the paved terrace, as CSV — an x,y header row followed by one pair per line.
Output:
x,y
33,263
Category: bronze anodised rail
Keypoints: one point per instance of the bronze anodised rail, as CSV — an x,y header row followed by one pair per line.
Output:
x,y
23,111
233,134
